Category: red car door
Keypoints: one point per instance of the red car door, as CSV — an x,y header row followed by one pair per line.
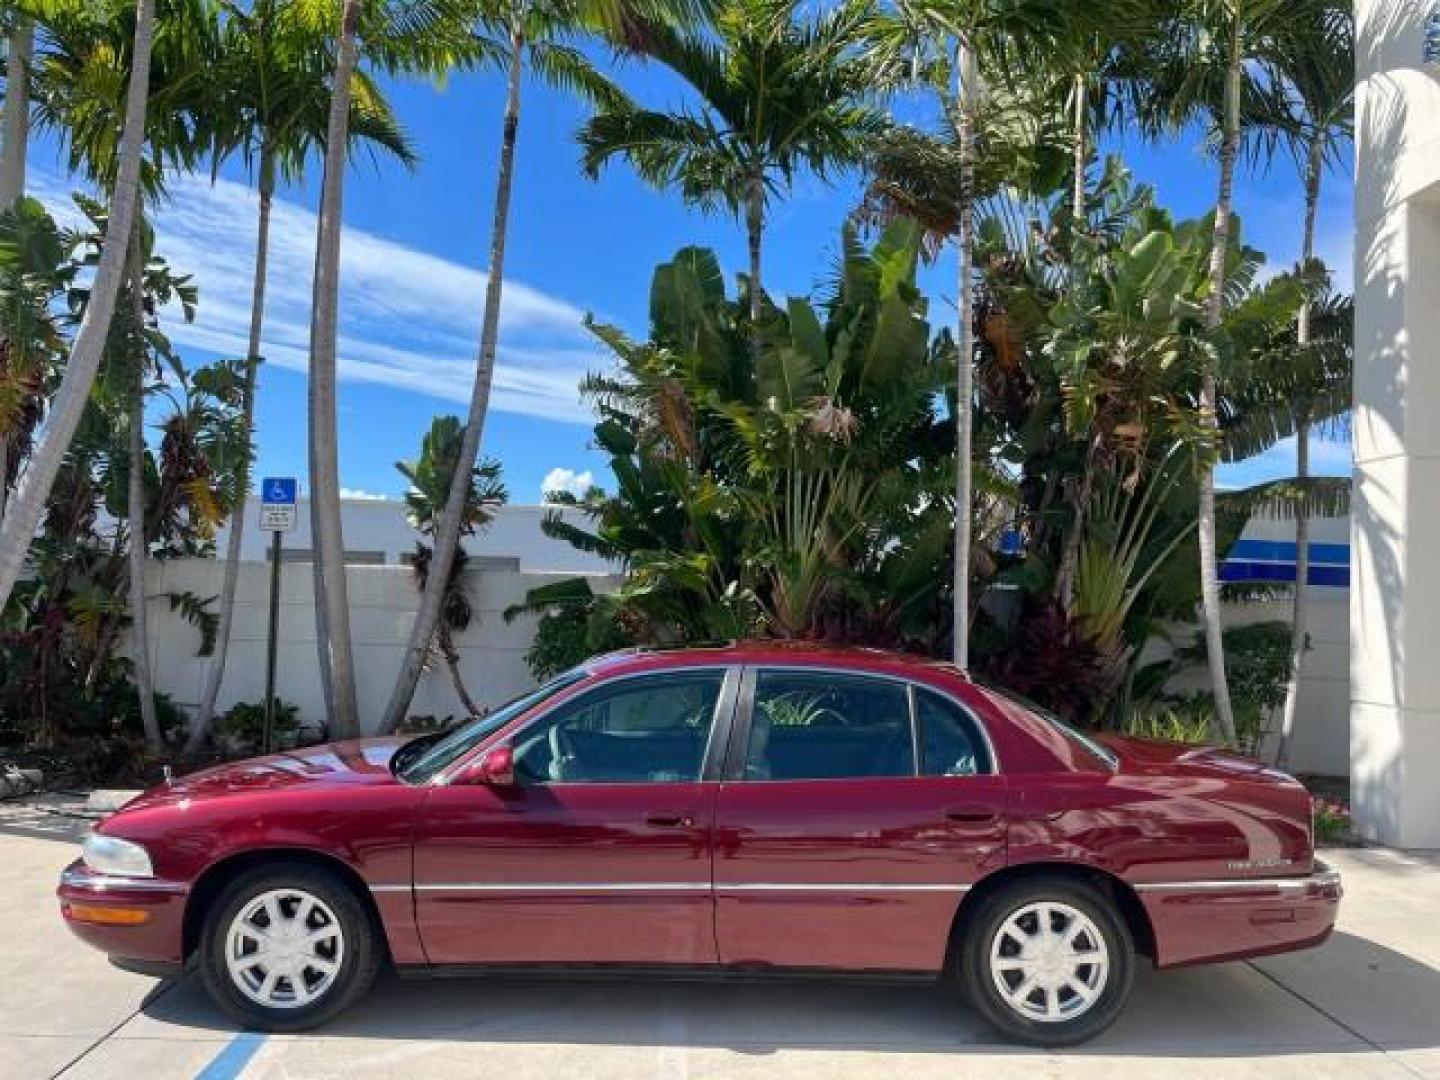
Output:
x,y
601,851
856,812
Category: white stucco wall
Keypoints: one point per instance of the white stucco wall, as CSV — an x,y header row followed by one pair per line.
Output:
x,y
383,601
1395,594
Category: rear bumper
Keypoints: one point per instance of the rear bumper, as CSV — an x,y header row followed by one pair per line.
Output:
x,y
157,941
1201,922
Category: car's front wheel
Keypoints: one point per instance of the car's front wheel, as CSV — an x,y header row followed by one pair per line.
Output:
x,y
287,947
1047,961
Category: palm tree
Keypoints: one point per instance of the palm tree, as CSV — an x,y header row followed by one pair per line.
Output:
x,y
34,273
135,497
1219,59
777,93
1321,74
270,84
14,143
23,514
430,478
15,133
428,35
940,45
513,33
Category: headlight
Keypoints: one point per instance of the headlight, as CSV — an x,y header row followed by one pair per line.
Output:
x,y
111,855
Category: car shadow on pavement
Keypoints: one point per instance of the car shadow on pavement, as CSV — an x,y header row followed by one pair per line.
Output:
x,y
1230,1010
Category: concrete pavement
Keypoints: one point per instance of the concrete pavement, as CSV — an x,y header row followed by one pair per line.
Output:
x,y
1365,1005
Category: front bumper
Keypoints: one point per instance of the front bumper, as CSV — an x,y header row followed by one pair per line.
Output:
x,y
158,940
1200,922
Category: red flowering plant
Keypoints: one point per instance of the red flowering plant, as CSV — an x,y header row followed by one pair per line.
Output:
x,y
1332,819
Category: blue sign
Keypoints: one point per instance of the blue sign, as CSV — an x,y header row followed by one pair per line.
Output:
x,y
278,490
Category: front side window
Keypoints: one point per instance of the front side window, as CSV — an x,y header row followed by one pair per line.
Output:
x,y
812,725
649,729
421,760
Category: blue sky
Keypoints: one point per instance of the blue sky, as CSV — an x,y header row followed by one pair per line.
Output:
x,y
416,245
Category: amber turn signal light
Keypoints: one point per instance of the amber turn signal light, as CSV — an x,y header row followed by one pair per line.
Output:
x,y
106,916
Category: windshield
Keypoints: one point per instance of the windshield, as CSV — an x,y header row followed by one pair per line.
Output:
x,y
1071,732
449,748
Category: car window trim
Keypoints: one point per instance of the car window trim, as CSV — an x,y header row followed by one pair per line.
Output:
x,y
721,717
734,764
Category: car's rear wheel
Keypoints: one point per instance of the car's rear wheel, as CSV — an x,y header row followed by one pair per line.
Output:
x,y
287,947
1047,961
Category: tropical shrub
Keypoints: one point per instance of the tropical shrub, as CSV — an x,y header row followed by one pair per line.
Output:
x,y
242,726
1332,820
793,481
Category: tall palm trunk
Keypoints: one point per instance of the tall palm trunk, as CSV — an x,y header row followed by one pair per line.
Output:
x,y
23,514
216,675
328,540
754,237
1081,152
447,533
1064,591
15,132
1299,635
966,90
14,144
135,506
1214,312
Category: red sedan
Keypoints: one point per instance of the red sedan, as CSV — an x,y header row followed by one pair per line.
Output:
x,y
741,810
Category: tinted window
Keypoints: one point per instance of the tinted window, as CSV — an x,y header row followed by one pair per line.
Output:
x,y
950,743
422,765
652,729
819,725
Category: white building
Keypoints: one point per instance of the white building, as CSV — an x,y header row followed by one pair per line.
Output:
x,y
377,534
1395,602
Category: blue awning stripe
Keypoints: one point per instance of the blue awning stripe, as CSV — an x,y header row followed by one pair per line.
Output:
x,y
1284,551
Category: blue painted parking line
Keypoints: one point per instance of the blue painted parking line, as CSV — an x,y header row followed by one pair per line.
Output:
x,y
231,1062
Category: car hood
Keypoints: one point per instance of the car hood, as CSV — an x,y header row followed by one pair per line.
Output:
x,y
353,762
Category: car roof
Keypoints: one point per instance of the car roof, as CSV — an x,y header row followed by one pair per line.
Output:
x,y
804,653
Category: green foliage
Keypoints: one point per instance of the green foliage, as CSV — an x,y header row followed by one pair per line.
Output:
x,y
244,723
1332,820
565,638
794,486
1173,722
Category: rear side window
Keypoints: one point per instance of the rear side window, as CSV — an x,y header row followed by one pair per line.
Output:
x,y
822,726
950,742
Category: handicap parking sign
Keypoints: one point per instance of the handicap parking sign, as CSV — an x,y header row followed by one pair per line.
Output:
x,y
277,503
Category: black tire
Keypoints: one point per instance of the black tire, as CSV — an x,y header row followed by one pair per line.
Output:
x,y
1112,981
358,946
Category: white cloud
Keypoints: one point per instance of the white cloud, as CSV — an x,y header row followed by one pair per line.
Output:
x,y
576,483
362,495
408,319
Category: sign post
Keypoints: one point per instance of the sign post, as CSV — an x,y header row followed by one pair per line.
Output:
x,y
277,515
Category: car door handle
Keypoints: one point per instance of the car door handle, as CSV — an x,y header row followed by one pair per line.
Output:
x,y
971,815
669,821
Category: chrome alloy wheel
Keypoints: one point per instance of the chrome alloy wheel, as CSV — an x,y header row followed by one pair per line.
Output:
x,y
284,949
1049,962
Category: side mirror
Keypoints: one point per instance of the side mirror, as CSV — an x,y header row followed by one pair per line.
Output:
x,y
496,768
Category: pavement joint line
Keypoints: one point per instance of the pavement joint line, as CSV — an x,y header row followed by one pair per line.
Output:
x,y
149,999
1328,1015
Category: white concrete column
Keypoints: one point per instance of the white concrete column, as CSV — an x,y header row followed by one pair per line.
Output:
x,y
1395,548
